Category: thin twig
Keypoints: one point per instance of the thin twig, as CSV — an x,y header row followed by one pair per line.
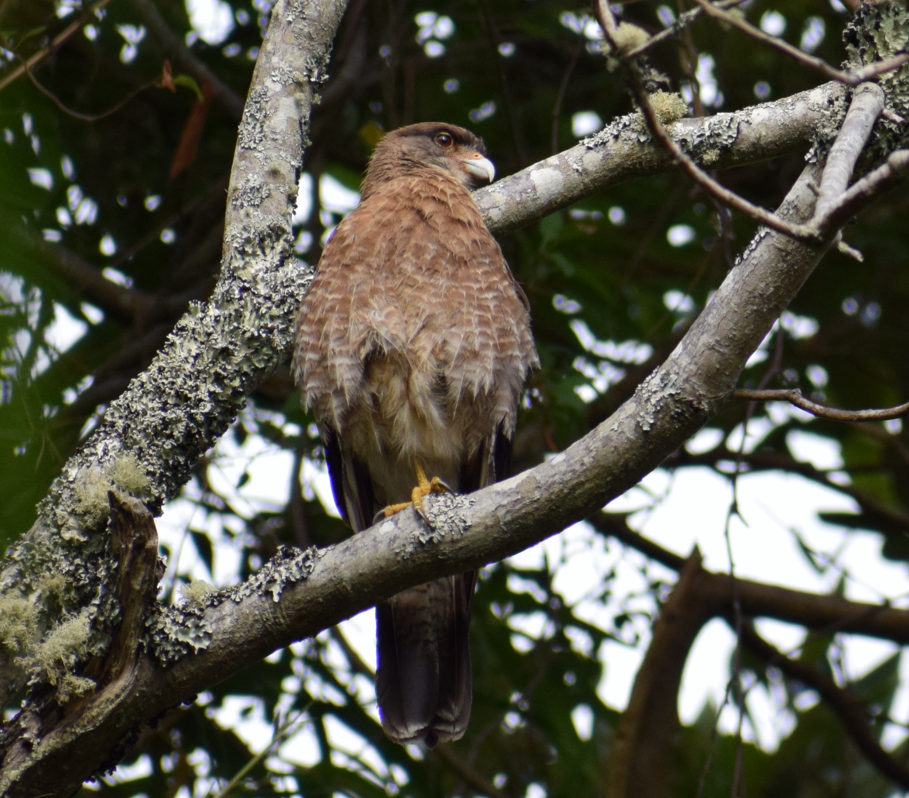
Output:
x,y
849,78
36,58
683,21
879,67
795,397
729,198
281,732
563,87
77,114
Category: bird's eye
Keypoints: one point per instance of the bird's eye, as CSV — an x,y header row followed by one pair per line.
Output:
x,y
444,140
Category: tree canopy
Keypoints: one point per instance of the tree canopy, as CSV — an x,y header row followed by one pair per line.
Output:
x,y
703,202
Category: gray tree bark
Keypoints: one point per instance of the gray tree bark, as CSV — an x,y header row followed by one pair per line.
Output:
x,y
96,692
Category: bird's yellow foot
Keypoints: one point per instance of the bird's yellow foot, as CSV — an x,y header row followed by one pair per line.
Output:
x,y
424,488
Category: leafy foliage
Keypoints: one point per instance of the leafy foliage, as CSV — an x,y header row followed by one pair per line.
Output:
x,y
112,183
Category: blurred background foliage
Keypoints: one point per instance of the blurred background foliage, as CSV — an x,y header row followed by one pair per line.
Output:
x,y
113,173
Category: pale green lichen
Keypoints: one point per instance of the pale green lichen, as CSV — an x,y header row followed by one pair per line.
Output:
x,y
289,566
18,622
669,106
55,658
92,505
197,591
128,475
875,33
174,632
628,37
710,157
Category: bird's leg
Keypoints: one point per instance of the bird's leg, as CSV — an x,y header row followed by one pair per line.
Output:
x,y
424,488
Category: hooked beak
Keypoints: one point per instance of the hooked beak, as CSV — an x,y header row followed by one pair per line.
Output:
x,y
480,167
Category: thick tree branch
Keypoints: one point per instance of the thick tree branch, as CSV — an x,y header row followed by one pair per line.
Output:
x,y
866,107
171,414
617,154
648,730
221,350
296,595
38,759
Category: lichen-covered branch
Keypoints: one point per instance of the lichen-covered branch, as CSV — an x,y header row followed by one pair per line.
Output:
x,y
169,415
152,436
625,150
298,594
219,351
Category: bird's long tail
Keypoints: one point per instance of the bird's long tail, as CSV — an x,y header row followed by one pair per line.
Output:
x,y
424,681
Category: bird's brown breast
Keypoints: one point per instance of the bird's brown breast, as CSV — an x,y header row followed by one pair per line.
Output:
x,y
413,330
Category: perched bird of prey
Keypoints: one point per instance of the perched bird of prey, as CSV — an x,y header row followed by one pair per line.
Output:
x,y
412,346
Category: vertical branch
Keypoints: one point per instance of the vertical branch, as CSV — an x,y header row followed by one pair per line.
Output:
x,y
639,764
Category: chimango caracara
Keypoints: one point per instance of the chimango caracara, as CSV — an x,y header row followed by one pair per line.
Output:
x,y
412,346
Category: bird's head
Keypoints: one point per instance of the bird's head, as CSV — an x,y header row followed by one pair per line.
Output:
x,y
430,144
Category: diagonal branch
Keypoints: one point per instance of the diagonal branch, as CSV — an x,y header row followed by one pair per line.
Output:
x,y
851,712
866,106
176,409
298,594
655,126
616,154
851,78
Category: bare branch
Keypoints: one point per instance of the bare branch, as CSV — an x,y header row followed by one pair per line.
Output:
x,y
806,59
866,106
888,176
852,713
795,397
655,126
683,21
79,114
880,67
617,154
